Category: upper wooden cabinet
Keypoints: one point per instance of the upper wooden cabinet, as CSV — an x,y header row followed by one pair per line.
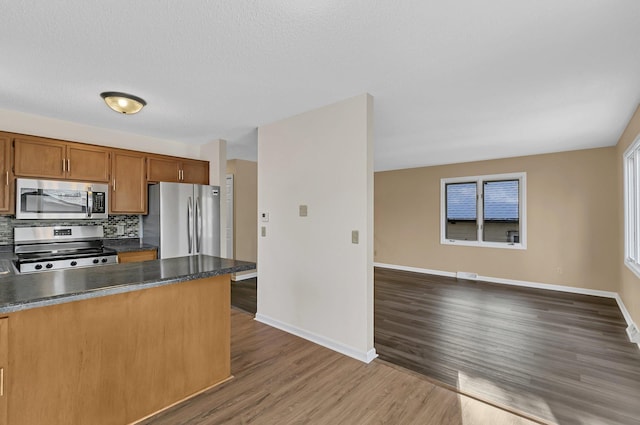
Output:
x,y
128,194
46,158
87,163
6,176
195,172
160,169
177,170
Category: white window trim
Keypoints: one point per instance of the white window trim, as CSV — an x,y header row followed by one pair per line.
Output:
x,y
522,204
631,157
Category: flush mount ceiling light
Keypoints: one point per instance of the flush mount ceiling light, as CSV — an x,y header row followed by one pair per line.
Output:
x,y
122,102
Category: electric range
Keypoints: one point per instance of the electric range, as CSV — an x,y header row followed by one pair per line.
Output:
x,y
40,249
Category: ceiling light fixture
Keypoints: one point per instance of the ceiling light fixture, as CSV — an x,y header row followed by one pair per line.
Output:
x,y
122,102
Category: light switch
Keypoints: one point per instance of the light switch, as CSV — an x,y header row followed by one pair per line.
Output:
x,y
303,210
355,236
263,231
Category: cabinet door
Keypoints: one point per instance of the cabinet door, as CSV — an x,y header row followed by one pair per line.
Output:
x,y
6,177
128,183
87,163
38,157
195,172
137,256
4,360
163,169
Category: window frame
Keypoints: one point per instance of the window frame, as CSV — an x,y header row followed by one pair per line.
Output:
x,y
631,170
479,180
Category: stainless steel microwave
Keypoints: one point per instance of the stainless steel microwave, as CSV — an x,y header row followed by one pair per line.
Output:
x,y
49,199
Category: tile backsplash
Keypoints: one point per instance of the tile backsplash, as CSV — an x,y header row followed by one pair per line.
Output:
x,y
131,225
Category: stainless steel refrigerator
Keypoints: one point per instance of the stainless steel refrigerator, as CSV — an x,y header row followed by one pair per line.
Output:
x,y
183,219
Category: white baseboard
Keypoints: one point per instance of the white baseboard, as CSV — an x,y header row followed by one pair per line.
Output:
x,y
414,269
366,357
537,285
238,277
549,286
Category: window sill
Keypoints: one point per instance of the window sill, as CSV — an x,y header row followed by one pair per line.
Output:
x,y
518,246
635,268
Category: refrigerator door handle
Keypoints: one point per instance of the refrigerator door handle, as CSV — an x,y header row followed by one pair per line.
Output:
x,y
198,224
190,224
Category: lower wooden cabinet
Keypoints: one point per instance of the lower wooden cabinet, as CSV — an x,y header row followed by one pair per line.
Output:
x,y
137,256
4,360
116,359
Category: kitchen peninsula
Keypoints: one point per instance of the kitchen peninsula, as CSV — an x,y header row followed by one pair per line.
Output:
x,y
113,344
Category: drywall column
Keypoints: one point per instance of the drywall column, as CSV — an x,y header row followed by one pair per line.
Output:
x,y
315,183
216,153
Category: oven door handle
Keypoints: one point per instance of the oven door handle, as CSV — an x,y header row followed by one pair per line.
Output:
x,y
190,225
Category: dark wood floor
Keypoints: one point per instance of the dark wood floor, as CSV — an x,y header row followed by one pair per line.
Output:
x,y
244,295
561,357
282,379
564,358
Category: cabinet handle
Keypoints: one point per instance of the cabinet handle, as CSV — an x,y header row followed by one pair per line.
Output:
x,y
7,176
68,165
63,165
114,184
1,381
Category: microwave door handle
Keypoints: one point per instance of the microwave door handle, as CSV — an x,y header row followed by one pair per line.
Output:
x,y
89,203
189,225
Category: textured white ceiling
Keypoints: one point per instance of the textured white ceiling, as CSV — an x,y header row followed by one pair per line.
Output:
x,y
452,81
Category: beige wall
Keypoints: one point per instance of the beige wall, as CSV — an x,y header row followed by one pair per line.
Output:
x,y
245,209
629,283
572,231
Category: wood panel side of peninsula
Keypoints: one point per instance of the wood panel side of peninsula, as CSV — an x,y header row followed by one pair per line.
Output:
x,y
118,358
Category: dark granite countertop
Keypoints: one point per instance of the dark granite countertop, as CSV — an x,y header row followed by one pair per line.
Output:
x,y
24,291
127,245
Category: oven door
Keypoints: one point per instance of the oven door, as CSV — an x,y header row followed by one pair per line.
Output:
x,y
47,199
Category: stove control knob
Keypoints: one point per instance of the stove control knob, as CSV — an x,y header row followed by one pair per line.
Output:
x,y
38,266
96,261
104,260
49,265
74,263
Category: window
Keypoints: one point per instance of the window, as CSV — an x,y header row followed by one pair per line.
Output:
x,y
484,211
632,207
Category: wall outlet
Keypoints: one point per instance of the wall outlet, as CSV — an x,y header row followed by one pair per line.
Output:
x,y
303,210
355,236
467,275
264,217
120,229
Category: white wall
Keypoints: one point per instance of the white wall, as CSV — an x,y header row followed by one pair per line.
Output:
x,y
37,125
314,281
